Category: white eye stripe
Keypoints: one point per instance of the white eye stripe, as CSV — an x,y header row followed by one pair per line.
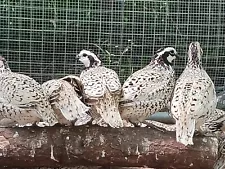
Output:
x,y
168,49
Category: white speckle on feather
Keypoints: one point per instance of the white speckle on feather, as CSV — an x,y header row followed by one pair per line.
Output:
x,y
15,135
1,154
125,158
143,125
191,164
67,138
103,153
52,154
28,125
42,124
20,125
102,139
156,157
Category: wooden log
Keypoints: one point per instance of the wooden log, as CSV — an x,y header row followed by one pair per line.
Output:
x,y
98,146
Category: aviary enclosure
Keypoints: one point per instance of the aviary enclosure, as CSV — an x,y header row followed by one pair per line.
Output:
x,y
42,37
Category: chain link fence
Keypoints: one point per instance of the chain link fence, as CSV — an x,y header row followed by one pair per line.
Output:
x,y
41,38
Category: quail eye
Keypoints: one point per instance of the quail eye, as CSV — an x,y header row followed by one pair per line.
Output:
x,y
172,52
85,55
223,147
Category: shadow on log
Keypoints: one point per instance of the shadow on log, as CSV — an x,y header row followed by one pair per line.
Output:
x,y
99,146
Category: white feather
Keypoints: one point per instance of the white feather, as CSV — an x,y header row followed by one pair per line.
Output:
x,y
147,90
193,101
64,97
21,92
103,86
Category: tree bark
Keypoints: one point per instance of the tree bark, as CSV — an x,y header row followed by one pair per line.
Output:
x,y
98,146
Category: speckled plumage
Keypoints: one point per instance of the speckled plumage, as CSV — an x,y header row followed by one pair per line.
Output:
x,y
64,95
194,97
215,125
149,90
102,90
22,99
220,161
221,100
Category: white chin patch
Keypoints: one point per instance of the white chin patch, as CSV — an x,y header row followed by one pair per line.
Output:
x,y
171,58
85,61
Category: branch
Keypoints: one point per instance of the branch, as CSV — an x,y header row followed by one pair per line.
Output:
x,y
99,146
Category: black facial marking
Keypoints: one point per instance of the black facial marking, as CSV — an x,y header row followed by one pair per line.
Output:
x,y
172,52
92,61
223,146
165,55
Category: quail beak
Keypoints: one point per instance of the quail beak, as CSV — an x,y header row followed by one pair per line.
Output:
x,y
2,58
177,56
77,57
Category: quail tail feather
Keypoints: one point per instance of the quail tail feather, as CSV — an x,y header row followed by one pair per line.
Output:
x,y
48,115
83,118
112,117
214,126
185,131
110,113
220,161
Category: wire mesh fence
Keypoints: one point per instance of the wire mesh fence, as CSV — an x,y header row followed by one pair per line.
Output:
x,y
40,38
